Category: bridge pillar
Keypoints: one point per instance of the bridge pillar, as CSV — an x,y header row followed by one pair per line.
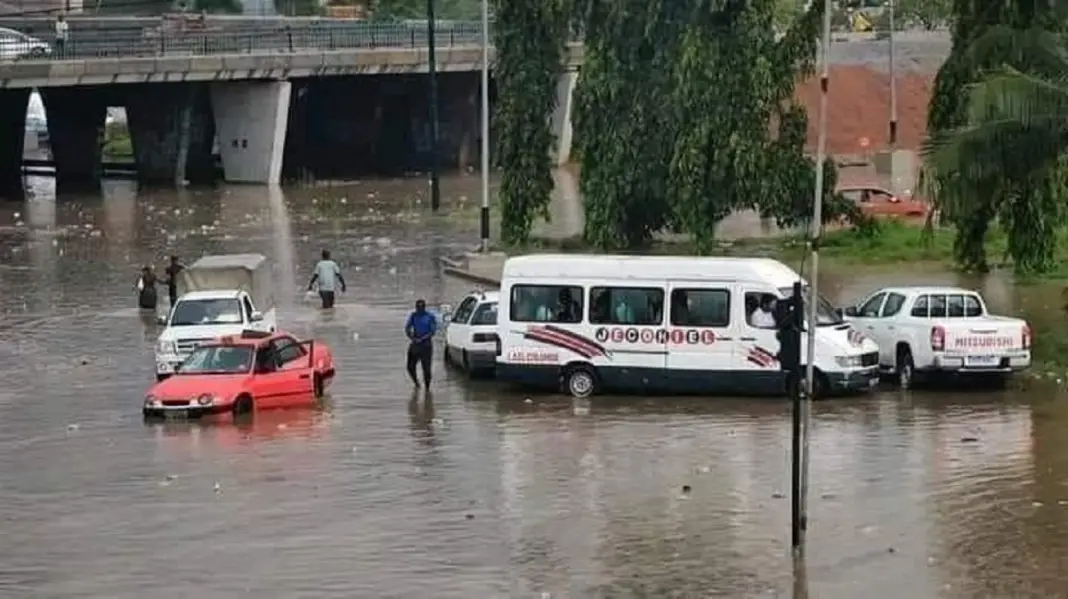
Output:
x,y
75,132
12,138
172,131
561,119
251,118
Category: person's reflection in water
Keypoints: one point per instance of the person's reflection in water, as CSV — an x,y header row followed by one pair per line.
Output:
x,y
800,578
149,326
422,416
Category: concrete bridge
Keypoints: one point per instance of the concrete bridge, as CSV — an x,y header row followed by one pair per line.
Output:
x,y
262,87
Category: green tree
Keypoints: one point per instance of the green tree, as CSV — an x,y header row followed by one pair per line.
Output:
x,y
529,36
674,114
623,118
930,14
998,132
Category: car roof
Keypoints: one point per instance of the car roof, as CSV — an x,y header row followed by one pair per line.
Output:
x,y
929,289
486,297
247,339
212,294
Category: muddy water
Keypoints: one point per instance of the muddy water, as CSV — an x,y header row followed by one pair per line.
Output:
x,y
476,493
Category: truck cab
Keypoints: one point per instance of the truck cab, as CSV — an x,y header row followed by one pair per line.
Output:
x,y
218,296
928,330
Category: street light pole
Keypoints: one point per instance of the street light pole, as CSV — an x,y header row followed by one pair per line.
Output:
x,y
816,228
435,190
484,215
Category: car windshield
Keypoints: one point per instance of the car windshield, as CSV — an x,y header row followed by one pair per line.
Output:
x,y
486,314
825,312
212,311
218,359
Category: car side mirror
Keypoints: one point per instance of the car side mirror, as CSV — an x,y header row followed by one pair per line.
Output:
x,y
849,311
256,316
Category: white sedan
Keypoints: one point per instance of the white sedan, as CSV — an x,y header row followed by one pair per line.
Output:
x,y
15,45
471,333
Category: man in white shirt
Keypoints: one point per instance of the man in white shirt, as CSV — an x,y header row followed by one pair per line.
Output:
x,y
62,30
326,273
764,316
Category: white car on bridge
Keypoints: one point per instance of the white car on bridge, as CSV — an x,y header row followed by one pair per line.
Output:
x,y
928,330
15,45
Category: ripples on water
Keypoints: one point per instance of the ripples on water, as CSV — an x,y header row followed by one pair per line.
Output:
x,y
476,493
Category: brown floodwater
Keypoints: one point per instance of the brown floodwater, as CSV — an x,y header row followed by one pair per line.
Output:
x,y
476,493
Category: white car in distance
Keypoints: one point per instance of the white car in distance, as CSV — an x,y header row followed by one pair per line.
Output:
x,y
15,45
471,333
930,330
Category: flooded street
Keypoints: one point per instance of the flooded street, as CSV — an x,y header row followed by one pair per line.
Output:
x,y
477,494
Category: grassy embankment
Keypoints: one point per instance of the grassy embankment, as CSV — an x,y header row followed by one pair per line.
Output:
x,y
117,145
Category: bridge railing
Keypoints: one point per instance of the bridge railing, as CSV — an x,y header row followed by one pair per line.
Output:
x,y
141,37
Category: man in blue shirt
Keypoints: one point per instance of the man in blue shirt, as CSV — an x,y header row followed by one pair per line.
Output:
x,y
420,330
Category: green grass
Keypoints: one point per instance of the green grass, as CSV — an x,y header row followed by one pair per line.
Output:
x,y
117,143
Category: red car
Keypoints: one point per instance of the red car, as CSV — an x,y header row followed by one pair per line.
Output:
x,y
876,201
244,373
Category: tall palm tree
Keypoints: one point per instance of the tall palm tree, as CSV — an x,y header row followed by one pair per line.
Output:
x,y
1006,161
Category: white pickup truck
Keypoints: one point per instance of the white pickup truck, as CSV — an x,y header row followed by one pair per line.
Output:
x,y
926,330
218,296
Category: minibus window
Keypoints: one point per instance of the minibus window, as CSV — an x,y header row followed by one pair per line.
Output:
x,y
627,305
700,307
546,303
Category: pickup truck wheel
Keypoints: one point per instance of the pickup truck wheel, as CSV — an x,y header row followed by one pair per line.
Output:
x,y
317,384
243,406
906,368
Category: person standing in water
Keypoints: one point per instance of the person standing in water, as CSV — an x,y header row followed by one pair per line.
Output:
x,y
326,273
420,330
146,289
172,280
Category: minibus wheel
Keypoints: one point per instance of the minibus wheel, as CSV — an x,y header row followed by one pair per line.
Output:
x,y
580,381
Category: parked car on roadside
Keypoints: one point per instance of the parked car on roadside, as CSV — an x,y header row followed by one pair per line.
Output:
x,y
15,45
940,330
471,333
876,201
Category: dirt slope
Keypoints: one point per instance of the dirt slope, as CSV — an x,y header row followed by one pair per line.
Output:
x,y
858,107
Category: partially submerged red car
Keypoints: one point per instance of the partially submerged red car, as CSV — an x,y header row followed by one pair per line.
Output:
x,y
876,201
244,373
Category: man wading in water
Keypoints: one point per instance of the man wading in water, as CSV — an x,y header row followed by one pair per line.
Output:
x,y
172,280
326,273
420,330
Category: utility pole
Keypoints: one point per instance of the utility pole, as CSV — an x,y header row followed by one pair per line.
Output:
x,y
893,80
435,189
816,231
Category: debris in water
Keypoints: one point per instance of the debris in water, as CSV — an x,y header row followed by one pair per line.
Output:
x,y
778,495
218,487
437,422
72,427
686,489
891,550
355,336
1036,504
969,439
704,469
469,516
528,401
393,270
